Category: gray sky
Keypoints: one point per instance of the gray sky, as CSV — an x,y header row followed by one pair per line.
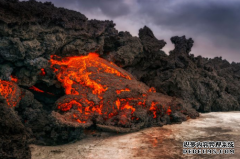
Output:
x,y
214,25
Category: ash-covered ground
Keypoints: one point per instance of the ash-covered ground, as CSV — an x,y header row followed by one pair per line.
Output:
x,y
152,143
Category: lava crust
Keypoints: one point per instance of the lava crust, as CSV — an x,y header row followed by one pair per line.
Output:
x,y
99,92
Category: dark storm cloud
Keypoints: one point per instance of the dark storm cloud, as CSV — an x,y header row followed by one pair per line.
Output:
x,y
111,8
213,24
216,20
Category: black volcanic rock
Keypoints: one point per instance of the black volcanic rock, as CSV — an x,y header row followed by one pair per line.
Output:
x,y
207,85
13,135
15,13
31,31
182,45
42,127
122,49
150,43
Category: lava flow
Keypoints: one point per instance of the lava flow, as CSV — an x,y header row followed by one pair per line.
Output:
x,y
14,79
80,73
10,92
97,88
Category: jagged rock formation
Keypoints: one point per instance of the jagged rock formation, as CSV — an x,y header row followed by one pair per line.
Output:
x,y
207,85
182,45
13,135
33,31
30,32
150,43
115,48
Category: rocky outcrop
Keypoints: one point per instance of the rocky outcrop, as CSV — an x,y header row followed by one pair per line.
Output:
x,y
115,48
206,84
150,43
30,32
33,31
182,45
42,127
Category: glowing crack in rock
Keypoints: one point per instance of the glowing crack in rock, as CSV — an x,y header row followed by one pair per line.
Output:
x,y
36,89
39,90
14,79
43,73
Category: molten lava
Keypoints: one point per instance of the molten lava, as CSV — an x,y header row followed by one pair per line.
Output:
x,y
95,87
123,90
153,108
81,74
36,89
152,89
43,73
39,90
9,91
14,78
169,111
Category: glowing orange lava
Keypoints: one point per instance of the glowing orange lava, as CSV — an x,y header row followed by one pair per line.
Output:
x,y
39,90
43,73
89,77
118,103
169,111
153,108
36,89
152,89
9,91
67,106
123,90
14,78
127,106
81,75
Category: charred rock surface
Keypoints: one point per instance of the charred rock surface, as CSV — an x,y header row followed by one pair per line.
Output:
x,y
54,114
206,84
150,43
13,135
37,43
42,127
31,31
115,48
